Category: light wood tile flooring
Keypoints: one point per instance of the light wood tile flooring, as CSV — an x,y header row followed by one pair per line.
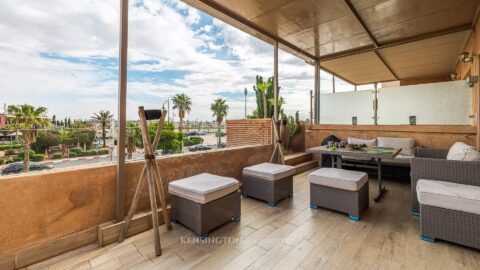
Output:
x,y
290,236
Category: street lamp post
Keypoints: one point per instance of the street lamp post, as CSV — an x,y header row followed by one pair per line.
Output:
x,y
168,108
246,92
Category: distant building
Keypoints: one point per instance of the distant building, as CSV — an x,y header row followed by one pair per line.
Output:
x,y
110,130
4,115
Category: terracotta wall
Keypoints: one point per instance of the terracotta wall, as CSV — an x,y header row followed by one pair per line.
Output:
x,y
48,205
249,131
425,135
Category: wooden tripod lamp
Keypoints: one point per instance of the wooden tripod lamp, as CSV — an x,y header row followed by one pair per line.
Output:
x,y
151,172
277,156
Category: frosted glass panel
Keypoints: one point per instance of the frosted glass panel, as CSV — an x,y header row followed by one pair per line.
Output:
x,y
446,103
339,108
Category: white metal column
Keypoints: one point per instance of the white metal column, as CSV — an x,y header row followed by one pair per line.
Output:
x,y
317,92
122,111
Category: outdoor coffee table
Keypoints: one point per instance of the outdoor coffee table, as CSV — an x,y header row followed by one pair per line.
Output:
x,y
367,153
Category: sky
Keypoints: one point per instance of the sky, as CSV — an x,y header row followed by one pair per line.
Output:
x,y
63,55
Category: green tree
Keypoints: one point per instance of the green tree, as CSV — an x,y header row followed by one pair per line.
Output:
x,y
47,139
183,103
103,117
132,133
170,141
79,137
220,110
27,119
79,124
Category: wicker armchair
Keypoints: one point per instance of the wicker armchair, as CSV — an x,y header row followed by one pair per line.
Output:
x,y
432,164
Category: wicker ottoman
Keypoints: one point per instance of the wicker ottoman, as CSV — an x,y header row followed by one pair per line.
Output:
x,y
450,212
339,190
268,182
204,202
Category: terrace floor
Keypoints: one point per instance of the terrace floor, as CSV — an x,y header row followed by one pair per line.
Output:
x,y
290,236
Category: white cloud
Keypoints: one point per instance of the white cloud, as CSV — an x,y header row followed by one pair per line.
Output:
x,y
163,35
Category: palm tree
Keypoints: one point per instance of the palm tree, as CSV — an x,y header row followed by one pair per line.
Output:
x,y
132,133
27,119
183,103
220,110
103,117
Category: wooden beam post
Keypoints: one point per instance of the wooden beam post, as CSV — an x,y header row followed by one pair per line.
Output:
x,y
122,111
476,96
317,92
375,105
275,81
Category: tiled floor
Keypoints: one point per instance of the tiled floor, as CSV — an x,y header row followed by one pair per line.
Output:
x,y
290,236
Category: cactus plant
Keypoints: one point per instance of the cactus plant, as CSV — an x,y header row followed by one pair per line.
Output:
x,y
293,128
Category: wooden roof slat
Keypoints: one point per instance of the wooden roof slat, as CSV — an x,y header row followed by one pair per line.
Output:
x,y
392,20
329,30
370,35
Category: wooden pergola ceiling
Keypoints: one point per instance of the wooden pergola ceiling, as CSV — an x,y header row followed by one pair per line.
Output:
x,y
361,41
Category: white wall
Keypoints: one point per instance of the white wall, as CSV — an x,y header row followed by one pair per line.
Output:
x,y
339,108
445,103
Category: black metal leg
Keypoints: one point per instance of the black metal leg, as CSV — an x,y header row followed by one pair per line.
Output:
x,y
381,188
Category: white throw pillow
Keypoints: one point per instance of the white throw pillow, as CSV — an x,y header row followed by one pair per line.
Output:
x,y
406,144
362,141
463,151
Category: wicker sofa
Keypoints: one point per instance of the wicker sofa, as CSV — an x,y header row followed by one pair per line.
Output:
x,y
432,164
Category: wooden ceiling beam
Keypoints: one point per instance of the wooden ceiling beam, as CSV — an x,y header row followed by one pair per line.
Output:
x,y
380,57
365,49
359,19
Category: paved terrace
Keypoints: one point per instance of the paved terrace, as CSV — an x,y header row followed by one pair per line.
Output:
x,y
290,236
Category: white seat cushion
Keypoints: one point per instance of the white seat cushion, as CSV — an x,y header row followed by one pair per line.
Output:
x,y
203,188
338,178
269,171
463,151
407,144
448,195
372,142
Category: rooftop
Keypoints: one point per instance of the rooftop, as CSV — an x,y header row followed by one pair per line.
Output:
x,y
426,127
